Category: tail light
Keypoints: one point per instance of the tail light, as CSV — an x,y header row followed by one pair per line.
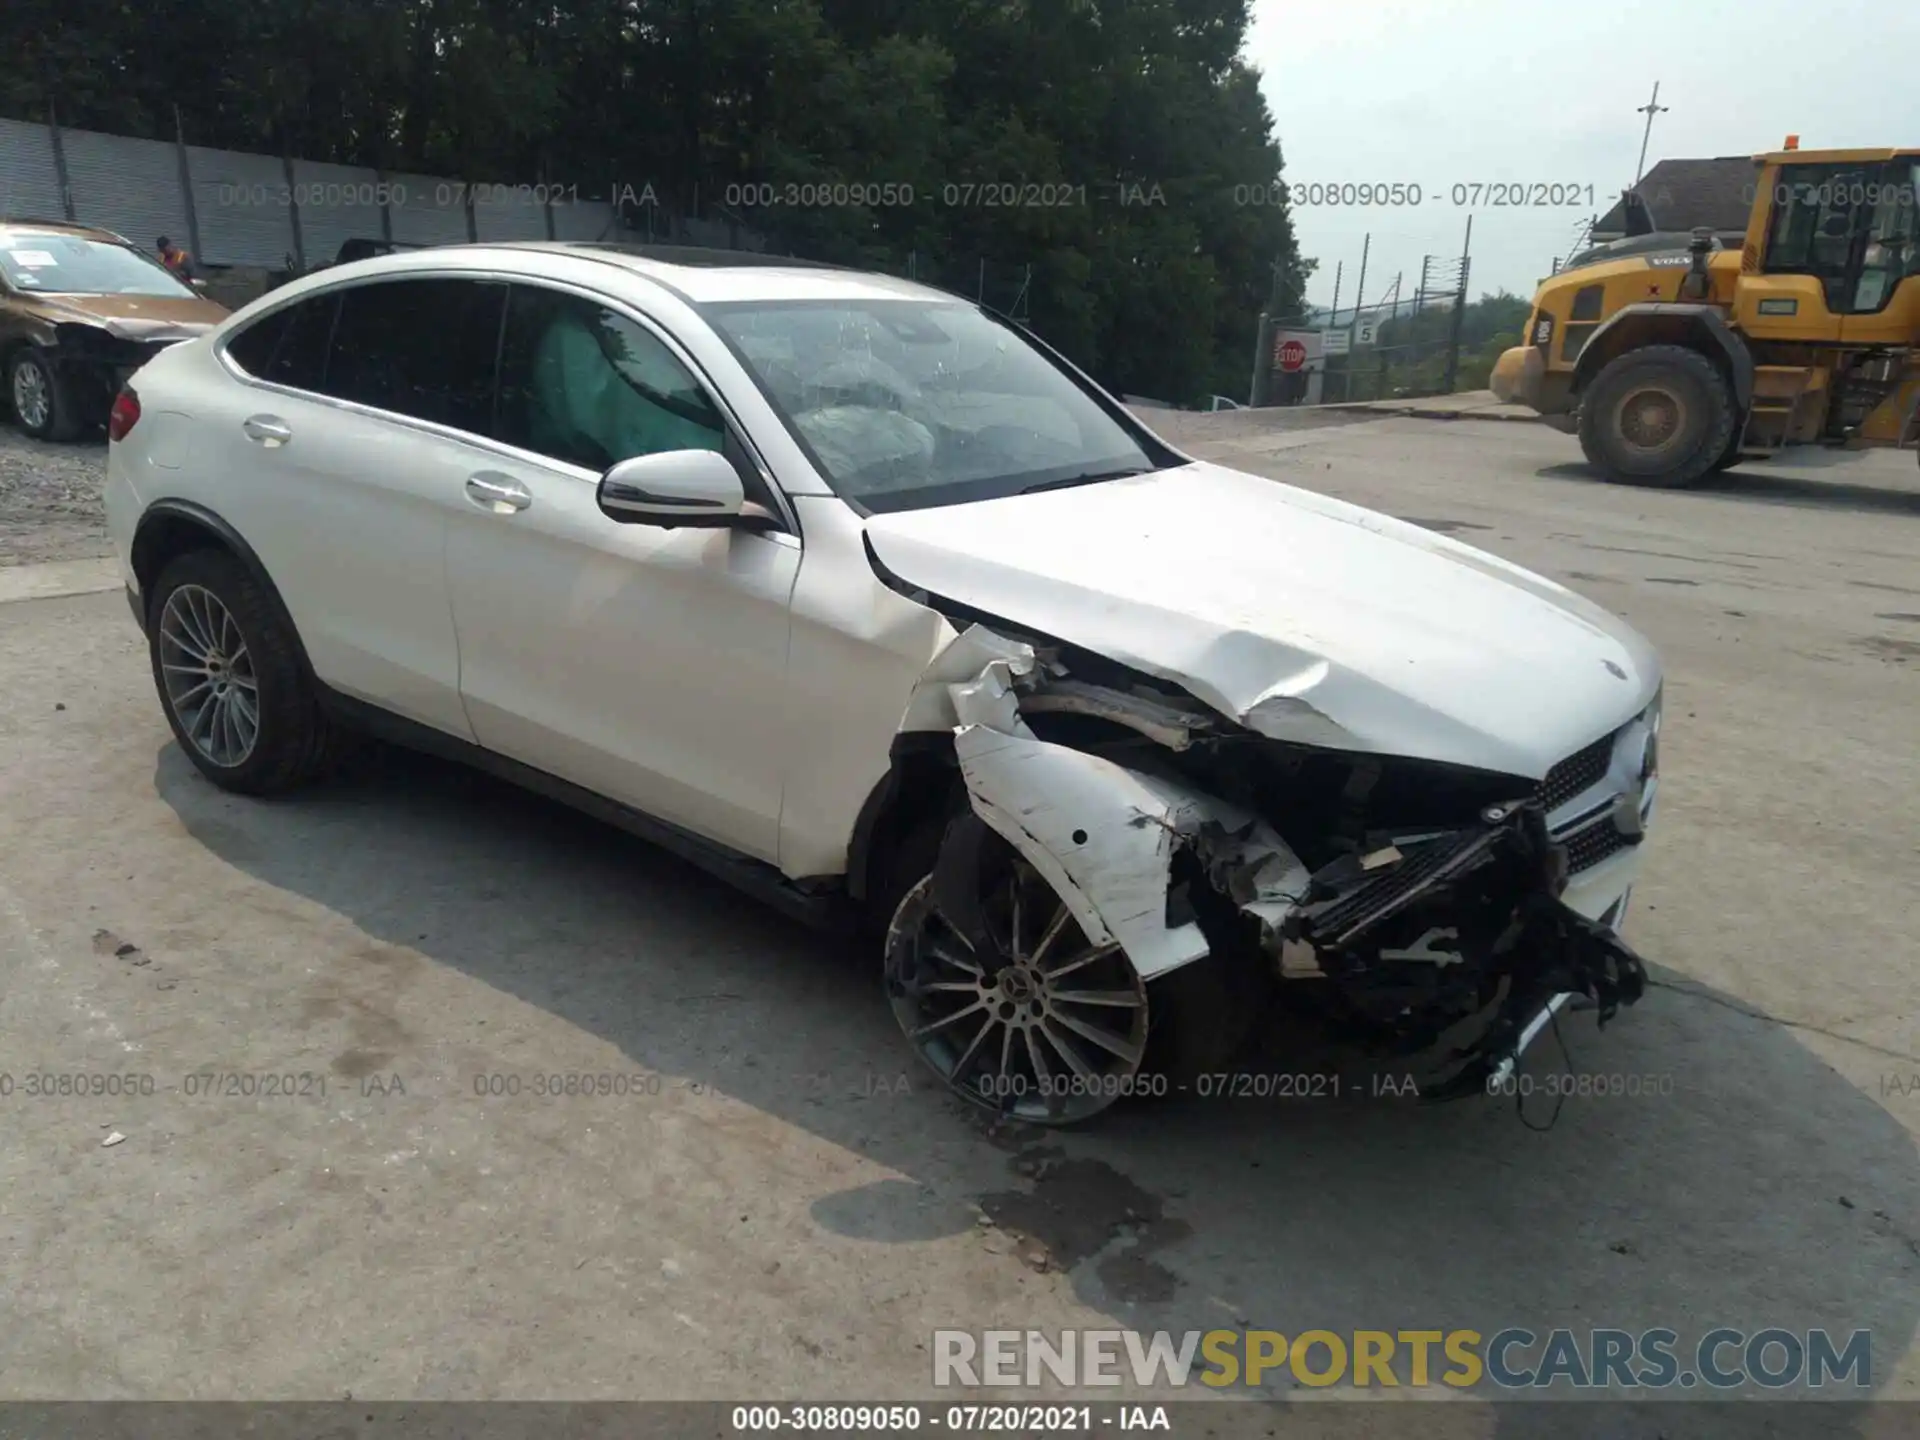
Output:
x,y
124,415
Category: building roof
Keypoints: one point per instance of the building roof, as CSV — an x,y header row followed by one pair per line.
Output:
x,y
1685,194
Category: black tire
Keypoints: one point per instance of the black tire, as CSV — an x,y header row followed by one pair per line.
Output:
x,y
62,420
1678,402
294,740
911,862
1201,1017
1205,1013
1729,457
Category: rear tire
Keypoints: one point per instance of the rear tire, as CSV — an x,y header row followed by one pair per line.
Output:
x,y
227,665
1659,415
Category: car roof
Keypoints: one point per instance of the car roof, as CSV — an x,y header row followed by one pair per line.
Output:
x,y
18,224
701,276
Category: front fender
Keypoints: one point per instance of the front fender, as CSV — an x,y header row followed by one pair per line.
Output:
x,y
1103,836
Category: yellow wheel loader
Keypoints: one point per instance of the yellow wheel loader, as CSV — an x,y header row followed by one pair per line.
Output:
x,y
1686,356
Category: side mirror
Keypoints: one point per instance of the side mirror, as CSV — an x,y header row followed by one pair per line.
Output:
x,y
697,488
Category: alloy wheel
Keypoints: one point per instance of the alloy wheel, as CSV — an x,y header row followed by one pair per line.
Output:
x,y
32,396
1039,1024
209,676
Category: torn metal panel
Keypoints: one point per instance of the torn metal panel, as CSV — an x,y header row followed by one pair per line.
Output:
x,y
971,682
1104,837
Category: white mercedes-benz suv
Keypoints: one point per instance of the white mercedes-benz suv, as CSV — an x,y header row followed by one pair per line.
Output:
x,y
865,599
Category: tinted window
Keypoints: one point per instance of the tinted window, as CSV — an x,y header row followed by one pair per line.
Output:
x,y
288,347
583,384
423,348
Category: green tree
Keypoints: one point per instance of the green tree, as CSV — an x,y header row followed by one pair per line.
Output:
x,y
1141,114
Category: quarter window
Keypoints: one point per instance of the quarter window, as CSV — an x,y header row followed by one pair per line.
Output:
x,y
288,347
584,384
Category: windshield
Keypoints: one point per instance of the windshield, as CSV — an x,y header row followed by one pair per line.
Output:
x,y
72,265
911,403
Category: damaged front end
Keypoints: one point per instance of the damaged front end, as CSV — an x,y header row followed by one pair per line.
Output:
x,y
1413,909
1425,931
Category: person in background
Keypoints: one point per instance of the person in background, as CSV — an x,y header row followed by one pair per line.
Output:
x,y
175,259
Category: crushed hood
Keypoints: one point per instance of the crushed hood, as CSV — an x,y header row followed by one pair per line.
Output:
x,y
1302,617
133,317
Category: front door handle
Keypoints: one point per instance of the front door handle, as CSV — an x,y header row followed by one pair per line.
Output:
x,y
499,493
268,430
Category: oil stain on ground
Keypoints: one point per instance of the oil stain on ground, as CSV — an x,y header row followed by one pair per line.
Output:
x,y
1898,651
1442,527
1080,1210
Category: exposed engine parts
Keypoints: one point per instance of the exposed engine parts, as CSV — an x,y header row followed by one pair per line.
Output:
x,y
1408,904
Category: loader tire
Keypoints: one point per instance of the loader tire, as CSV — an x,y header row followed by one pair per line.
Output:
x,y
1659,415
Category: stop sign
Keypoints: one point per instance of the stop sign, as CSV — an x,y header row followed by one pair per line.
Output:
x,y
1292,355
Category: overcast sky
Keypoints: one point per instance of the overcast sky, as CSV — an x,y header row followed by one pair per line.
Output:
x,y
1466,91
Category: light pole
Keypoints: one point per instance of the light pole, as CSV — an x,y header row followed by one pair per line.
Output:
x,y
1652,108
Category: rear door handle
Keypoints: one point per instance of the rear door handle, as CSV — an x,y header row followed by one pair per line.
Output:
x,y
499,493
268,430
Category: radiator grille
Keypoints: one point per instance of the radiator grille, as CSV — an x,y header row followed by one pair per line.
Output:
x,y
1580,771
1588,847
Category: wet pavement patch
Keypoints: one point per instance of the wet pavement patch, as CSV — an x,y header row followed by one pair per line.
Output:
x,y
1081,1210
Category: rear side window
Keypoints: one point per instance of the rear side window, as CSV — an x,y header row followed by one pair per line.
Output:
x,y
288,347
422,348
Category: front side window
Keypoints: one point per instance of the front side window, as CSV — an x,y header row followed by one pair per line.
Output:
x,y
910,403
1893,238
1851,226
585,384
421,348
55,264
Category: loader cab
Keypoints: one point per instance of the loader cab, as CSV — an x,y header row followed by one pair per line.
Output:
x,y
1830,243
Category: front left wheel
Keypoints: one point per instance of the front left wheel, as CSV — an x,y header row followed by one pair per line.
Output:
x,y
226,663
1658,415
44,404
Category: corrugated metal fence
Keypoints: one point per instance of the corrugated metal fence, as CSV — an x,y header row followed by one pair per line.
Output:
x,y
231,207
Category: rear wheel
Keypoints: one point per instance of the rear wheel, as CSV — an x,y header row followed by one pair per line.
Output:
x,y
1658,415
226,663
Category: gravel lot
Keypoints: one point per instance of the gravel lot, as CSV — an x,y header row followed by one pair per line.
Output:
x,y
50,499
780,1205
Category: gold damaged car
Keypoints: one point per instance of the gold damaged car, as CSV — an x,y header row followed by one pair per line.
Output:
x,y
81,309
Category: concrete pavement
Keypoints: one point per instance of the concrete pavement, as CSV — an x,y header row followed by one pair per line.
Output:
x,y
329,1017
